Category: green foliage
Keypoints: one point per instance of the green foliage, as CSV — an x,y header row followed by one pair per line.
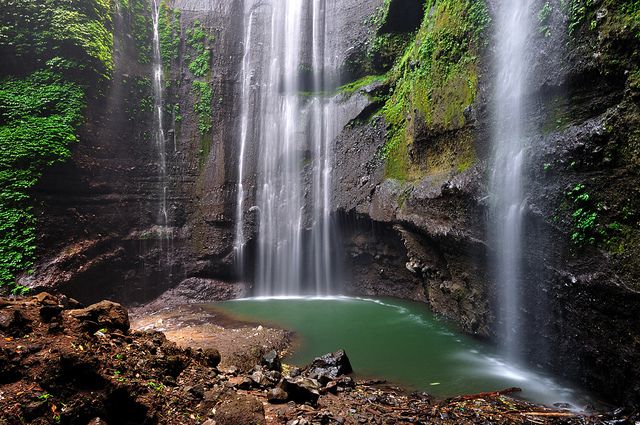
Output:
x,y
579,11
544,16
623,14
144,93
197,40
585,217
203,106
357,85
38,119
385,48
155,386
169,31
380,16
34,32
140,26
436,78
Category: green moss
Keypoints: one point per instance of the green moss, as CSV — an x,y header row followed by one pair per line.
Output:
x,y
385,48
38,115
197,39
36,32
434,81
361,83
203,105
169,31
141,27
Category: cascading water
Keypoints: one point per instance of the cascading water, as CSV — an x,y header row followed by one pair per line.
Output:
x,y
323,131
293,133
158,116
247,75
513,29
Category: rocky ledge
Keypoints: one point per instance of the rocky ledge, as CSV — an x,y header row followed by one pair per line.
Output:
x,y
65,364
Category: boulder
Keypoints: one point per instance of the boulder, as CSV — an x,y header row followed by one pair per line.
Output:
x,y
211,357
301,390
12,322
271,361
329,367
239,409
260,379
46,299
241,382
277,395
105,314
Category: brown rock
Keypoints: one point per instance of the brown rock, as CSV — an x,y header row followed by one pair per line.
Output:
x,y
277,395
105,314
211,357
46,298
241,382
240,409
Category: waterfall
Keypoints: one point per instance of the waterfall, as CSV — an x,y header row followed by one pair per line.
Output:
x,y
323,132
512,63
292,128
246,99
158,116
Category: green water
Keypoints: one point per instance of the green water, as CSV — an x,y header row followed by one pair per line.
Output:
x,y
399,341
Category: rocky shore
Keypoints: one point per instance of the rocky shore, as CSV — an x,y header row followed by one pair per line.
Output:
x,y
61,363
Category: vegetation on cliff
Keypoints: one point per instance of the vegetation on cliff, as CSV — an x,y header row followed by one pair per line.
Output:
x,y
434,81
599,210
52,51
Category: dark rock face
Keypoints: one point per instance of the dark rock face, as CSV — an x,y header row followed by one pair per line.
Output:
x,y
403,16
100,231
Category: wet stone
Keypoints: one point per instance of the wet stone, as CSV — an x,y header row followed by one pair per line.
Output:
x,y
302,390
271,361
329,367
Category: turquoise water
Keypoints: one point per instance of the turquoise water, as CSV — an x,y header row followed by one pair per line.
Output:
x,y
399,341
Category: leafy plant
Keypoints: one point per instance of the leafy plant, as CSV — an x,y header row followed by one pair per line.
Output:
x,y
38,119
585,217
34,32
203,106
196,39
155,386
544,16
169,31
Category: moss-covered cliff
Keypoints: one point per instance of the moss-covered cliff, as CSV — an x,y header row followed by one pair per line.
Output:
x,y
54,54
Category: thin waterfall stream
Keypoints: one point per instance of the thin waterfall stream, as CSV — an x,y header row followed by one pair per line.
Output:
x,y
513,30
159,133
247,75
